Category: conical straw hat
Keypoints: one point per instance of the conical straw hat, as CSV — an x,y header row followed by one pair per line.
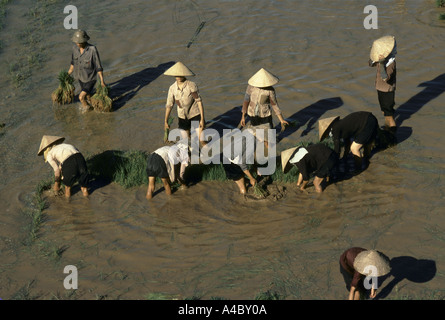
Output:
x,y
372,258
47,141
285,157
179,70
324,125
262,79
382,46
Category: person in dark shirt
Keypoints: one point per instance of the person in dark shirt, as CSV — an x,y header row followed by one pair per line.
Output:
x,y
356,263
85,67
357,131
317,159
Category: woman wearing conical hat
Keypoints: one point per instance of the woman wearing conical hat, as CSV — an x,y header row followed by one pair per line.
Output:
x,y
259,101
383,55
85,66
67,162
355,264
185,94
316,159
356,131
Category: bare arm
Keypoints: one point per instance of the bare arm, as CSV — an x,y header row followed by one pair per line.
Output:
x,y
352,293
201,111
101,76
244,111
251,178
168,110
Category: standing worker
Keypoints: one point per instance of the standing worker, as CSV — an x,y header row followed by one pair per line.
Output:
x,y
259,100
85,66
185,94
383,55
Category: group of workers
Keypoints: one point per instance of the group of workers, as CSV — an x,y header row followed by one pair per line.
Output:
x,y
356,133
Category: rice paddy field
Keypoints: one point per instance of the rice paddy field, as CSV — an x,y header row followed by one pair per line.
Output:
x,y
207,241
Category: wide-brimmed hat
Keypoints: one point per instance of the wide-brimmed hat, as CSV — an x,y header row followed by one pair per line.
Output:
x,y
372,258
48,141
179,70
80,36
324,125
382,46
263,78
285,157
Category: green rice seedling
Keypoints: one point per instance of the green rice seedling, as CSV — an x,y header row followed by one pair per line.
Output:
x,y
167,130
442,16
64,94
259,192
131,170
160,296
268,295
24,293
440,3
101,101
290,125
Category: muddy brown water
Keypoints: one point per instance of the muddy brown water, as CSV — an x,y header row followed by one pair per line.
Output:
x,y
207,241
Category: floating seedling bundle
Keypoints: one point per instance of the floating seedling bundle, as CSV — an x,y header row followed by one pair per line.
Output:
x,y
101,101
64,94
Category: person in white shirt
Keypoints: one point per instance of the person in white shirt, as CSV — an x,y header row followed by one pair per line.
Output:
x,y
68,164
162,162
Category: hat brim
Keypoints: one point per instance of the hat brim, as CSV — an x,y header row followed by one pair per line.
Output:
x,y
42,149
372,258
263,79
285,157
324,134
179,70
382,46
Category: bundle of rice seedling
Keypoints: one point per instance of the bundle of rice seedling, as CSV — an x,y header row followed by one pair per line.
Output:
x,y
101,101
291,124
166,130
64,94
259,192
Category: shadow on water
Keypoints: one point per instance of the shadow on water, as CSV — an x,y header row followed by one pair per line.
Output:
x,y
227,120
309,116
432,89
126,88
409,268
